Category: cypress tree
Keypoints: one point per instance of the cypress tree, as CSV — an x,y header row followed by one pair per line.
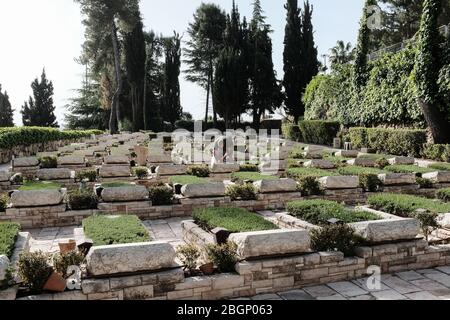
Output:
x,y
39,111
6,111
292,61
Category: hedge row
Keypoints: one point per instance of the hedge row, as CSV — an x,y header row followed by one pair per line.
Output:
x,y
437,152
25,136
319,132
400,142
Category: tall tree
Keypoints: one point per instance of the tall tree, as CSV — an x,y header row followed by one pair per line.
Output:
x,y
39,111
135,59
426,74
172,109
292,60
203,47
362,47
6,111
102,18
341,53
265,94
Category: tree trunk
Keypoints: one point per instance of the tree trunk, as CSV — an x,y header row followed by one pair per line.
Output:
x,y
207,97
115,108
436,122
144,103
256,119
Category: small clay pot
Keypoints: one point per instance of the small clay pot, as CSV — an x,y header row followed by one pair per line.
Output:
x,y
67,246
55,283
207,269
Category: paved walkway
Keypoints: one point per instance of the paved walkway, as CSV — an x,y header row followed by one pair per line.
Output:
x,y
426,284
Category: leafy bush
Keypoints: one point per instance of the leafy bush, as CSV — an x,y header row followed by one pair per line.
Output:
x,y
319,132
8,236
248,168
48,162
440,166
418,171
17,178
4,200
443,194
82,200
400,142
62,261
370,182
382,163
161,195
424,183
233,219
183,180
105,230
25,136
244,191
291,131
199,171
89,175
428,221
188,255
404,205
336,237
437,152
309,186
320,211
224,256
240,177
34,269
141,172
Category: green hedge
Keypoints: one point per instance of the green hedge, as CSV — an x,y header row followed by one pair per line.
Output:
x,y
291,131
401,142
437,152
319,132
13,137
8,236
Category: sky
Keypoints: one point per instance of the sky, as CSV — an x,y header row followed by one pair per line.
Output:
x,y
48,34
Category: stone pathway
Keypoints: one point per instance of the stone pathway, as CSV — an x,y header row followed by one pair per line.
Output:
x,y
426,284
47,239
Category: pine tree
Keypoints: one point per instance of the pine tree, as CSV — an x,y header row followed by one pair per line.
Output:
x,y
172,109
292,61
362,48
6,111
426,74
265,94
309,59
39,111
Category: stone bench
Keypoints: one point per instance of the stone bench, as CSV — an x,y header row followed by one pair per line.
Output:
x,y
25,162
438,176
171,170
339,182
271,243
130,258
125,194
36,198
204,190
392,179
276,186
54,174
115,171
320,164
401,161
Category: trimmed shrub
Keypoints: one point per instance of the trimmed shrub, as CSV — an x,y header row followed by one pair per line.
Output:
x,y
244,191
141,172
291,131
424,183
336,237
400,142
49,162
318,212
233,219
188,255
4,200
199,171
428,222
161,195
82,200
89,175
104,230
224,256
443,194
34,269
437,152
248,168
319,132
370,182
8,236
309,186
62,261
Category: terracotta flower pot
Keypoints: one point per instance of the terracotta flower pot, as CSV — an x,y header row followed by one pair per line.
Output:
x,y
207,269
67,246
56,283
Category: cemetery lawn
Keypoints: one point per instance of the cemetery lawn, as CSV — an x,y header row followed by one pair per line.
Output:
x,y
116,184
183,180
8,236
39,185
251,176
233,219
441,166
108,230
